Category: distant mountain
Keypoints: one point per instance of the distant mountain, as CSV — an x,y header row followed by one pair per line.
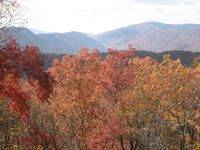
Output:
x,y
71,41
67,43
154,36
149,36
25,37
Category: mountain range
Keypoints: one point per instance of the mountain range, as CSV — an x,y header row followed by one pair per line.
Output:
x,y
150,36
66,43
154,36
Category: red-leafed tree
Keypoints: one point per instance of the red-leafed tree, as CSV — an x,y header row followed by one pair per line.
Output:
x,y
21,76
116,77
16,65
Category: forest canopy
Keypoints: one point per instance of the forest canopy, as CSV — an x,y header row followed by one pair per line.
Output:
x,y
118,101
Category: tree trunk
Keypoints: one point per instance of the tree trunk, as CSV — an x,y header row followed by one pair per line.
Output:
x,y
131,145
122,142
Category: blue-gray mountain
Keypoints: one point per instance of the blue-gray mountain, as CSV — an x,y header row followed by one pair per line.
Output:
x,y
154,36
71,41
67,43
149,36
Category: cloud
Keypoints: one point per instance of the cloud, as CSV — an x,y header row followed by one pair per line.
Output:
x,y
27,0
166,2
96,16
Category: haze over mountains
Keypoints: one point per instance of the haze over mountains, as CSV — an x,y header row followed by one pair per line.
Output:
x,y
150,36
154,36
72,41
67,43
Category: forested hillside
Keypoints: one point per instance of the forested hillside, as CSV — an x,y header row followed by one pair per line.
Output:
x,y
185,57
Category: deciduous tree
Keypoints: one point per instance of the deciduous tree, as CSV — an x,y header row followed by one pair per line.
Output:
x,y
21,75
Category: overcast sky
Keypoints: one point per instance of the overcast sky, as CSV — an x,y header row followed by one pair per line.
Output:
x,y
96,16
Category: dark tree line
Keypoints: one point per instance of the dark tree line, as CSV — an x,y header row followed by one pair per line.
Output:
x,y
185,57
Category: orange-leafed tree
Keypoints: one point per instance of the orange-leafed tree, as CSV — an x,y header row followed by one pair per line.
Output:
x,y
86,94
75,96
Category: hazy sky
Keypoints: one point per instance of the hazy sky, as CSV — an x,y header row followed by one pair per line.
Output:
x,y
96,16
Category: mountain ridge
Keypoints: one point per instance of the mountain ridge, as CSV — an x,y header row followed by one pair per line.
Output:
x,y
68,42
73,40
150,36
154,36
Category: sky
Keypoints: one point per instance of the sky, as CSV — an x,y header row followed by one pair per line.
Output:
x,y
97,16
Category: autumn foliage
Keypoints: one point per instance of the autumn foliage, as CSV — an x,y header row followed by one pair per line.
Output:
x,y
15,65
120,102
21,75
